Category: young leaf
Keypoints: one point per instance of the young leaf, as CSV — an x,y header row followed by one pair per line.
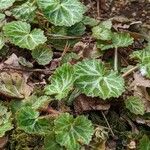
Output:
x,y
118,40
102,32
144,143
89,21
20,34
50,142
5,120
22,61
42,54
4,4
94,80
25,12
122,40
143,57
28,120
135,105
40,102
61,82
68,57
72,131
62,13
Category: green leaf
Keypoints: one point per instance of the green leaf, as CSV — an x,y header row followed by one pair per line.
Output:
x,y
122,40
42,54
4,4
13,85
117,40
90,21
70,132
94,80
76,30
25,63
5,120
135,105
61,82
40,102
103,31
2,19
24,12
58,33
144,143
20,34
28,120
68,57
50,142
2,41
143,57
62,12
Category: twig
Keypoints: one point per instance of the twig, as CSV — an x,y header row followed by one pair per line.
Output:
x,y
46,71
130,71
50,110
98,8
116,59
66,48
108,124
58,36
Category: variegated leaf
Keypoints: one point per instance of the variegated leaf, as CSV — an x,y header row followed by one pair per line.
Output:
x,y
72,131
94,80
61,82
4,4
20,34
62,12
25,12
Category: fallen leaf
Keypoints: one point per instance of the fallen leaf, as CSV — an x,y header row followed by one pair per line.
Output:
x,y
3,142
83,103
14,85
140,85
13,60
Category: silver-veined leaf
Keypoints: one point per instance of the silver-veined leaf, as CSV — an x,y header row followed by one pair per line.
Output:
x,y
4,4
122,40
135,105
90,21
72,131
143,57
42,54
117,40
94,80
28,120
103,31
62,12
20,34
5,120
61,82
50,142
25,12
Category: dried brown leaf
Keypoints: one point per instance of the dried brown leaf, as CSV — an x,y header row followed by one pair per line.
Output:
x,y
84,103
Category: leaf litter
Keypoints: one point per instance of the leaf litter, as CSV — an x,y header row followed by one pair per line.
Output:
x,y
70,78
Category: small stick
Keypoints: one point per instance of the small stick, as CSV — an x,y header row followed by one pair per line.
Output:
x,y
108,124
98,9
28,70
130,71
57,36
116,59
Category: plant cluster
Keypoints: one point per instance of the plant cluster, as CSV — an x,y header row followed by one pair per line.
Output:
x,y
41,28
